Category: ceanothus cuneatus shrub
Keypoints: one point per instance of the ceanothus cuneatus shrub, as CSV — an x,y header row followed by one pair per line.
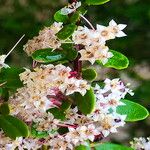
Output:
x,y
59,104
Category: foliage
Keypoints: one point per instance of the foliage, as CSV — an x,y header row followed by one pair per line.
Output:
x,y
63,96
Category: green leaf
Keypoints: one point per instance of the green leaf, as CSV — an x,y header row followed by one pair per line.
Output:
x,y
4,109
65,105
110,146
82,147
4,94
48,55
13,127
75,17
86,103
89,74
96,2
11,77
71,53
134,111
66,31
58,113
60,17
118,61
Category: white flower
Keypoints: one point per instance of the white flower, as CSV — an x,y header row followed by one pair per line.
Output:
x,y
70,8
82,36
112,31
105,33
2,61
140,143
117,29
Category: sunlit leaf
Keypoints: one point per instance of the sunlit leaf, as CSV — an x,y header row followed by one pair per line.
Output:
x,y
134,111
118,61
96,2
60,17
48,55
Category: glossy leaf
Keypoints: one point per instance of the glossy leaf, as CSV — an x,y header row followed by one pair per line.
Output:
x,y
75,17
134,111
58,114
60,17
48,55
66,31
13,127
11,77
96,2
68,53
89,74
4,109
110,146
86,103
118,61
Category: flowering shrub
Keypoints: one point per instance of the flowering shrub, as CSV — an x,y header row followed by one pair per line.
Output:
x,y
59,104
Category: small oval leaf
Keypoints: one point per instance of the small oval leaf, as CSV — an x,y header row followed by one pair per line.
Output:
x,y
13,127
96,2
71,53
118,61
75,17
134,111
60,17
66,31
111,146
58,114
86,103
48,55
89,74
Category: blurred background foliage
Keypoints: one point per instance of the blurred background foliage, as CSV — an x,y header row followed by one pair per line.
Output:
x,y
18,17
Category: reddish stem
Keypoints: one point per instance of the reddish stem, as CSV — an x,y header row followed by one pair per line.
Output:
x,y
78,63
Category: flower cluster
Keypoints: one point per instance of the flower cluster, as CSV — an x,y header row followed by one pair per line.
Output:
x,y
48,87
49,82
70,8
46,39
93,127
141,143
94,41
